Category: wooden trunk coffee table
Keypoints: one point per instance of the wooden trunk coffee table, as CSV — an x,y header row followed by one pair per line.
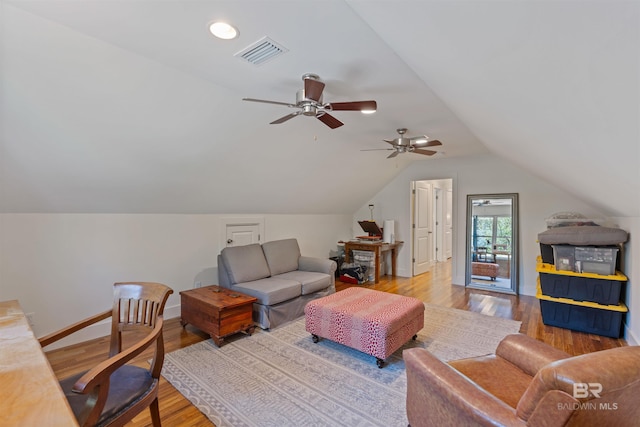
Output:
x,y
218,311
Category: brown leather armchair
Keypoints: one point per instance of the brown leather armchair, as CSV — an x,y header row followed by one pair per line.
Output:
x,y
525,383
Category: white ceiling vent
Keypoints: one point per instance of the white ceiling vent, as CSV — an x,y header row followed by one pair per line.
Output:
x,y
261,51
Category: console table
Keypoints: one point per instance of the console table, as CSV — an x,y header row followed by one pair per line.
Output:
x,y
30,394
377,248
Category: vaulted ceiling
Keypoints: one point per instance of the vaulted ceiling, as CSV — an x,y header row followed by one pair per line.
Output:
x,y
128,107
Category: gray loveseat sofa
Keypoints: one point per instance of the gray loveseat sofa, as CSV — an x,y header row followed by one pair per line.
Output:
x,y
280,278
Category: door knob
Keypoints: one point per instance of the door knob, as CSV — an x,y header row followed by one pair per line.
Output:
x,y
229,241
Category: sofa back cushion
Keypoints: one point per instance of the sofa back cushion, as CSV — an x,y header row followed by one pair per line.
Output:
x,y
245,263
282,255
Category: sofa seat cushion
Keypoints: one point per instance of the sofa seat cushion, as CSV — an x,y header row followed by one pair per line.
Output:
x,y
282,255
245,263
271,290
311,281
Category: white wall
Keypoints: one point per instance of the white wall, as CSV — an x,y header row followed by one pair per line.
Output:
x,y
632,293
61,267
475,175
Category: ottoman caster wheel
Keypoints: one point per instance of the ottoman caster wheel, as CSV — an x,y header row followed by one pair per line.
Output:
x,y
415,337
315,338
380,363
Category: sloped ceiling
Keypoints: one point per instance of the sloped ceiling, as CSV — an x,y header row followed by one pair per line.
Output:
x,y
131,107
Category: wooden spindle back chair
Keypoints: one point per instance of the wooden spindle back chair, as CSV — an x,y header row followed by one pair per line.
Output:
x,y
113,392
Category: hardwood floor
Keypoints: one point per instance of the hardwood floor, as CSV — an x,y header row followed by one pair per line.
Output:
x,y
433,287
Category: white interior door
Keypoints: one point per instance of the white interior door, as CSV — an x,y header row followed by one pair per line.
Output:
x,y
439,225
448,223
422,227
242,234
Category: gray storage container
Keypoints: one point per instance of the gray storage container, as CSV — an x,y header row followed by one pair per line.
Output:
x,y
597,260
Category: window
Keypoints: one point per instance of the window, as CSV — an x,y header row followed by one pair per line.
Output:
x,y
492,231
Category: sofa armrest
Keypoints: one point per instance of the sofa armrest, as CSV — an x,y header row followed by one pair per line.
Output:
x,y
319,265
527,353
439,395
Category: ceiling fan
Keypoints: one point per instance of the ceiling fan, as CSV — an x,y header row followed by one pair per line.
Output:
x,y
414,144
493,202
309,103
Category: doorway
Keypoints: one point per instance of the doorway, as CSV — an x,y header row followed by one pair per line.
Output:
x,y
431,223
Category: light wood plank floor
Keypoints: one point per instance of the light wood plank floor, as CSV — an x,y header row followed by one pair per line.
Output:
x,y
433,287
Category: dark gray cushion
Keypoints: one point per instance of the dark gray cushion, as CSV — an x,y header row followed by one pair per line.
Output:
x,y
245,263
128,384
271,290
282,255
311,281
583,236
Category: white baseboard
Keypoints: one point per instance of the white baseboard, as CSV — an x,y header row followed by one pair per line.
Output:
x,y
172,312
102,329
401,272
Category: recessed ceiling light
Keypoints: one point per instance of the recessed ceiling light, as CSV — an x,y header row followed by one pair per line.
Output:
x,y
222,30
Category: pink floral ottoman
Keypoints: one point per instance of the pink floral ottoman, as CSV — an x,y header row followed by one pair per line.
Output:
x,y
374,322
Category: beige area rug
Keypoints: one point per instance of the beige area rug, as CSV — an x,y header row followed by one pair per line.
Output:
x,y
281,378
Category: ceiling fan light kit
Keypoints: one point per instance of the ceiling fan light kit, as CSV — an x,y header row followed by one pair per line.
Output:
x,y
309,102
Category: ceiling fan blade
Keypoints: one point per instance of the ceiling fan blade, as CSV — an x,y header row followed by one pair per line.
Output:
x,y
390,141
313,89
285,118
354,106
395,153
269,102
329,120
425,152
377,149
